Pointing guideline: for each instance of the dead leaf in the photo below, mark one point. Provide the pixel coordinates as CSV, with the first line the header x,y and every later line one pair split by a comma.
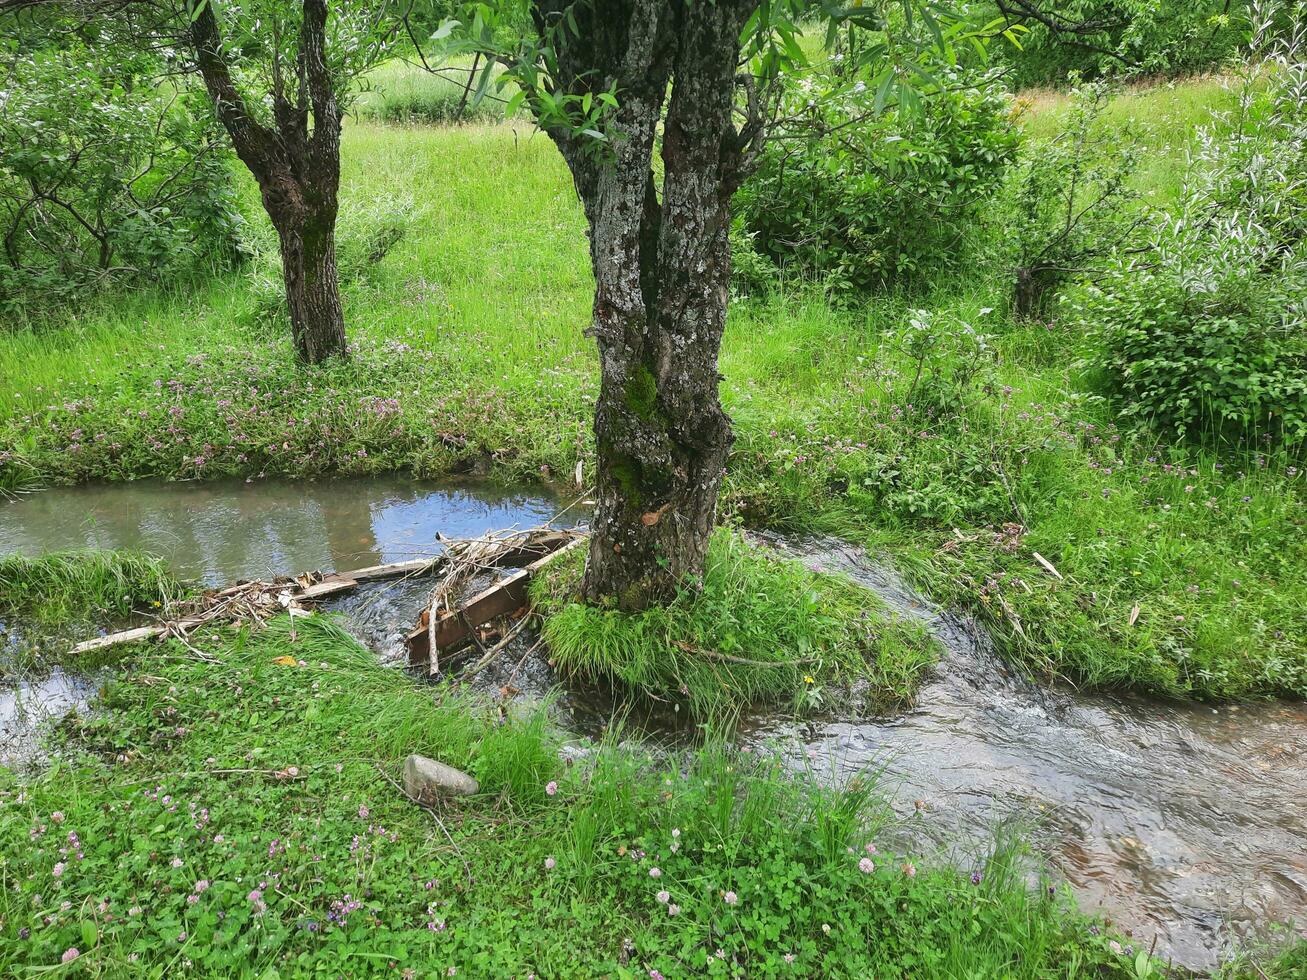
x,y
1048,565
654,516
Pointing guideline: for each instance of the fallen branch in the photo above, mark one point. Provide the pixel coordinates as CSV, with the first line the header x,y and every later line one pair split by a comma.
x,y
490,654
732,659
257,600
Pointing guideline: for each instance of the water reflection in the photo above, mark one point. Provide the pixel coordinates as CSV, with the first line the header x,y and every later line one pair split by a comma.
x,y
218,532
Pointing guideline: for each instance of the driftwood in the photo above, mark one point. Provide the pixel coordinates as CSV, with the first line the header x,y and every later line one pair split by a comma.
x,y
258,600
445,626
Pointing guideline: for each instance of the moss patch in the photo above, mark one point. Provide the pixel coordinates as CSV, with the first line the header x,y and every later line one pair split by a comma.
x,y
642,393
761,630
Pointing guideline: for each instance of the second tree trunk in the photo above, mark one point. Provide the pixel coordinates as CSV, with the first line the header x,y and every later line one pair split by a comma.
x,y
308,256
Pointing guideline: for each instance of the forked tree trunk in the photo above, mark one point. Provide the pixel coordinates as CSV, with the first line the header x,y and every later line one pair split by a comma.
x,y
661,265
297,168
308,259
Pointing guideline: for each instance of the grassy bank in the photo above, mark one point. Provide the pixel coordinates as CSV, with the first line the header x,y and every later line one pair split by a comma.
x,y
84,585
930,426
241,819
757,629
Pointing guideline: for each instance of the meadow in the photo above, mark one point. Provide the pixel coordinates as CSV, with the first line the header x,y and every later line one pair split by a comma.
x,y
1175,569
235,813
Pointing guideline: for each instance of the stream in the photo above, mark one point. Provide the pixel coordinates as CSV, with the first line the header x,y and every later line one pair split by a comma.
x,y
1185,823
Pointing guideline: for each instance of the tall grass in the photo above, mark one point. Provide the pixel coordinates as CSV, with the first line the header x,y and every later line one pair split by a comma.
x,y
760,629
399,92
84,585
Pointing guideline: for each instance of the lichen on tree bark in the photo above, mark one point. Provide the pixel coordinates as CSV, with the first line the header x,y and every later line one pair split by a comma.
x,y
661,261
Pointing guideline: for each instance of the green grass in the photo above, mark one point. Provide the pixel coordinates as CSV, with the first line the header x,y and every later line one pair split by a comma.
x,y
399,92
468,329
761,629
1165,116
1282,957
56,597
213,819
84,585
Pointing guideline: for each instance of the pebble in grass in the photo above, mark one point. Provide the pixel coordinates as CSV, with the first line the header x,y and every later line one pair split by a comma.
x,y
427,780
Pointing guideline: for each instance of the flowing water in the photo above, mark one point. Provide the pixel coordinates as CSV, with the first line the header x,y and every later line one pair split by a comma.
x,y
1183,822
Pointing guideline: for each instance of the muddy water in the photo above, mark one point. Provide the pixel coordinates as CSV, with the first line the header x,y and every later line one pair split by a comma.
x,y
1180,821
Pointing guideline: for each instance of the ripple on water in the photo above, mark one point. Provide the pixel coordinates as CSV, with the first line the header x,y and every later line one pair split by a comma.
x,y
1178,820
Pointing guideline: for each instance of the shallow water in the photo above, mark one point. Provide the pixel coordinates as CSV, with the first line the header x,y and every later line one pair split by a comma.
x,y
224,531
219,532
32,703
1180,821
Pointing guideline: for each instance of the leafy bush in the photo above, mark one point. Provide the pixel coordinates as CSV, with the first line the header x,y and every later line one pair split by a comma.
x,y
865,198
1208,335
1152,36
1068,206
103,172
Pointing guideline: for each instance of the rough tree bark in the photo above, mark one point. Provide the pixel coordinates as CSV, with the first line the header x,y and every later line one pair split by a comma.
x,y
297,170
661,263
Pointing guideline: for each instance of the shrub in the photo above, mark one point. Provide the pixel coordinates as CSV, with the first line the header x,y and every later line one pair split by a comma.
x,y
864,199
1153,36
1068,208
103,173
1208,335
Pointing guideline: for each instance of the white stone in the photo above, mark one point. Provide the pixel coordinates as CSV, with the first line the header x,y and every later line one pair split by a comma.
x,y
428,781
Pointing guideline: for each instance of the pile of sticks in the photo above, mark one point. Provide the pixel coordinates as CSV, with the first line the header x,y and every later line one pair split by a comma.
x,y
255,602
448,623
445,623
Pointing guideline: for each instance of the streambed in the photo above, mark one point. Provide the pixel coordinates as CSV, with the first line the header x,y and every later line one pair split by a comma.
x,y
1183,822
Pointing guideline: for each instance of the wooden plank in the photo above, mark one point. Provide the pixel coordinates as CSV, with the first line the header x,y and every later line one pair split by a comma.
x,y
328,586
125,636
394,569
453,629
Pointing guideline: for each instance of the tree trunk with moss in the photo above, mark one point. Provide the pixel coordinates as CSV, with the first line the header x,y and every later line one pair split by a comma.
x,y
296,160
661,262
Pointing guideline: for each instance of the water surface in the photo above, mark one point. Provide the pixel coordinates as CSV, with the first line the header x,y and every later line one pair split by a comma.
x,y
221,531
1183,822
